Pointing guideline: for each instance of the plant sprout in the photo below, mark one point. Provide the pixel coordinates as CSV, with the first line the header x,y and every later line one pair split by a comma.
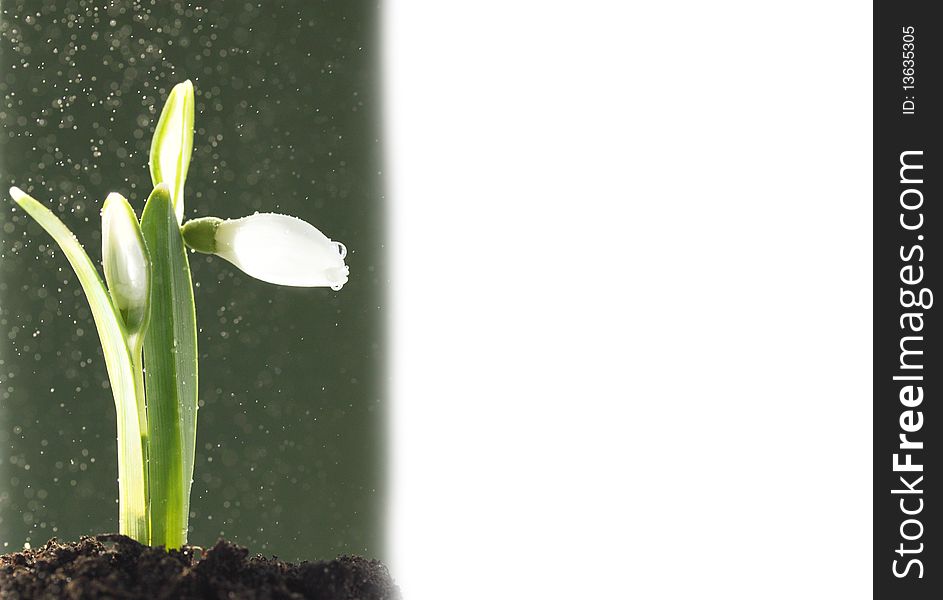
x,y
146,317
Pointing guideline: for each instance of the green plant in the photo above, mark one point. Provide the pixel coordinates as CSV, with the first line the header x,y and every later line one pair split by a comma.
x,y
146,316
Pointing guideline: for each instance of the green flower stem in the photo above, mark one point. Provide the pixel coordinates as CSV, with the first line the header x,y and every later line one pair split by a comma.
x,y
138,367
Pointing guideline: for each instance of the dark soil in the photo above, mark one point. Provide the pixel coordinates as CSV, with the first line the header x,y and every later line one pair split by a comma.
x,y
115,566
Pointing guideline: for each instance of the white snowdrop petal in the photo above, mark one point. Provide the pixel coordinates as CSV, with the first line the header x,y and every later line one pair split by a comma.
x,y
283,250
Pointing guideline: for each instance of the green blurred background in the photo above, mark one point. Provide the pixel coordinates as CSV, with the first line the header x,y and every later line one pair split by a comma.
x,y
290,443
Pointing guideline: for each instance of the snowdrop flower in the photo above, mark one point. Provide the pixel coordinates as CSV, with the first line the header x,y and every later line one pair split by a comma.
x,y
275,248
126,263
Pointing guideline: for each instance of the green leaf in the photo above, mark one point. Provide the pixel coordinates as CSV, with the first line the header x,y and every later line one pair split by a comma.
x,y
132,492
170,360
172,145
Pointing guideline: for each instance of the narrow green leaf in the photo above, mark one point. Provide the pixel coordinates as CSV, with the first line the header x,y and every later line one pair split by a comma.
x,y
170,360
118,362
172,145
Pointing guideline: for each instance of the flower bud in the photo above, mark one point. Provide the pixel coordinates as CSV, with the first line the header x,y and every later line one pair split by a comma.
x,y
275,248
126,263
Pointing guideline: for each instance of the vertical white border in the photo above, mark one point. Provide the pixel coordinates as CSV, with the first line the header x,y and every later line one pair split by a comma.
x,y
631,297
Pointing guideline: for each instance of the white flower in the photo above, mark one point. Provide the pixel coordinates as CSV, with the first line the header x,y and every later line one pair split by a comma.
x,y
126,262
275,248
